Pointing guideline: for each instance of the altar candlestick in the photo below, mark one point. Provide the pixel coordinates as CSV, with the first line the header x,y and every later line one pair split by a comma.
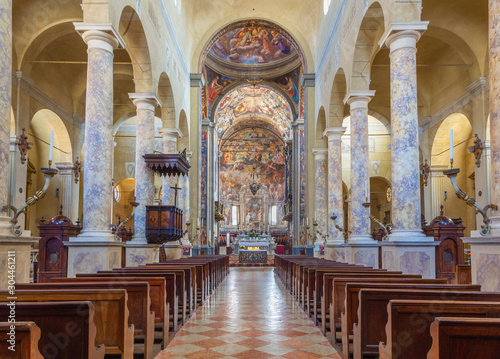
x,y
51,146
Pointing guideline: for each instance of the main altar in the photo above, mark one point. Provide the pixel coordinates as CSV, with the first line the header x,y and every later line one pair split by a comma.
x,y
254,242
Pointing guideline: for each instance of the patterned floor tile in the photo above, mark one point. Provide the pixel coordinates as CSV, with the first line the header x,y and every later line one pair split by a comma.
x,y
250,316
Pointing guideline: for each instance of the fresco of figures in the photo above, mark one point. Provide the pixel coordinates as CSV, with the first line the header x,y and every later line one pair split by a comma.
x,y
248,155
250,100
253,43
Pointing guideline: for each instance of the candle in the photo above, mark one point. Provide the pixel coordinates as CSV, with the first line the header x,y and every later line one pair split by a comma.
x,y
51,145
451,145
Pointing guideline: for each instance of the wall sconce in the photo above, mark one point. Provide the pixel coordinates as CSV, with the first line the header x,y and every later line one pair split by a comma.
x,y
477,150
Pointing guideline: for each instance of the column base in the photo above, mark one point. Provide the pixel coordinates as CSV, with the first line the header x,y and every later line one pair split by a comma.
x,y
90,257
5,229
137,254
408,236
366,254
222,250
485,261
335,252
173,250
94,236
410,257
21,246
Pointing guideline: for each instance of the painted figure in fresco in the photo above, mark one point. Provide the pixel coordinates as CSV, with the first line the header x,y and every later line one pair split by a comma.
x,y
292,89
213,89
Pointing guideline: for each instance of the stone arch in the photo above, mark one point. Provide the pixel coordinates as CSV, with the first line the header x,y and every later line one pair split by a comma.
x,y
132,31
337,108
42,123
166,95
370,31
463,137
237,84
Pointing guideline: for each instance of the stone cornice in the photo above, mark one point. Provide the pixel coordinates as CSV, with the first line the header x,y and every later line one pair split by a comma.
x,y
146,96
396,27
82,27
334,133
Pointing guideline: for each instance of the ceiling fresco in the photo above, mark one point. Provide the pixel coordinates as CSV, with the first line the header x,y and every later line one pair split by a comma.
x,y
252,43
251,102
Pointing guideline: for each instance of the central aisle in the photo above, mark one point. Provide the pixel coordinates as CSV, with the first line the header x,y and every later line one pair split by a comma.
x,y
250,315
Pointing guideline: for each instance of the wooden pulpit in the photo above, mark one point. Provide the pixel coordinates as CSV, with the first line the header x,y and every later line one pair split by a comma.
x,y
163,224
53,254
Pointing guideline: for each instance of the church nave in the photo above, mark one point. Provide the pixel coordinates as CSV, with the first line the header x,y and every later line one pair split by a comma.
x,y
250,315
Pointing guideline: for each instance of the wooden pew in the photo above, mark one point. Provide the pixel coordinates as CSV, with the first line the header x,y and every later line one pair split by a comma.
x,y
180,285
408,325
454,338
67,329
22,338
159,304
110,318
170,287
372,312
138,303
190,281
338,294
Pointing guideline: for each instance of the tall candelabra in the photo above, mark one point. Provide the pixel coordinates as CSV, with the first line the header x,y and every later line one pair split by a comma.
x,y
128,218
15,229
485,228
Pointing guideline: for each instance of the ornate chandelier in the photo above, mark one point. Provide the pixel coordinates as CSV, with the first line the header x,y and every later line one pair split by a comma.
x,y
254,186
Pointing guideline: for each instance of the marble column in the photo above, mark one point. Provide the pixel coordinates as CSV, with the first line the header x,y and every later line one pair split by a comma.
x,y
5,107
95,248
170,136
485,250
19,246
334,244
138,251
97,188
184,202
405,167
360,172
361,247
321,195
173,250
407,248
66,184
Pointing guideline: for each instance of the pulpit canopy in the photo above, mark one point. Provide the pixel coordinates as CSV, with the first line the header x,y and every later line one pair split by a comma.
x,y
172,164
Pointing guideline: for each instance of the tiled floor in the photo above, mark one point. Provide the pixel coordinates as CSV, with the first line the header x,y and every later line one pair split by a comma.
x,y
250,316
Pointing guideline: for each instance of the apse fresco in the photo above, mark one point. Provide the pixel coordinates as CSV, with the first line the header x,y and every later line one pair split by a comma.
x,y
251,101
253,43
252,151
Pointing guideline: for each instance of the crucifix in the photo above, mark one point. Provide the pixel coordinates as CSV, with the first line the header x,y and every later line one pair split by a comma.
x,y
175,188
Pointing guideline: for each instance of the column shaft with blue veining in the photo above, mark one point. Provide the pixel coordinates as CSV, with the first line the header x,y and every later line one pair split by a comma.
x,y
360,175
169,147
144,176
184,200
5,95
494,81
405,173
335,190
321,200
97,186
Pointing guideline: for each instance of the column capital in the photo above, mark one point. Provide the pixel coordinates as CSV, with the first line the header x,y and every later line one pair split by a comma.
x,y
358,99
334,133
171,134
320,152
196,79
100,36
145,101
65,168
308,80
403,34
